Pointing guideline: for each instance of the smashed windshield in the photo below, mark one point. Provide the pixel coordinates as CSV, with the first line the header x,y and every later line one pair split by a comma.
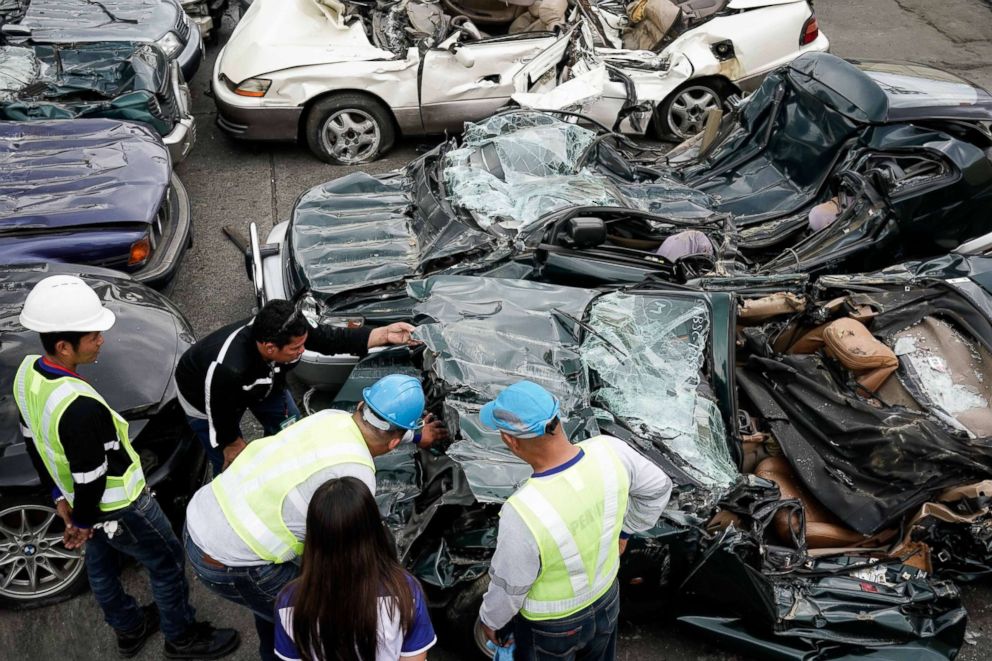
x,y
483,334
514,168
649,354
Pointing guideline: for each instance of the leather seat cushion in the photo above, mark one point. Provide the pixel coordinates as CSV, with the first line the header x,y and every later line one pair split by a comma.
x,y
823,529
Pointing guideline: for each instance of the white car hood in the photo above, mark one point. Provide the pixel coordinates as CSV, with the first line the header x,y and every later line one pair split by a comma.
x,y
279,34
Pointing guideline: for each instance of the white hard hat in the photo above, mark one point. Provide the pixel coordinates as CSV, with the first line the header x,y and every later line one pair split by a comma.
x,y
61,303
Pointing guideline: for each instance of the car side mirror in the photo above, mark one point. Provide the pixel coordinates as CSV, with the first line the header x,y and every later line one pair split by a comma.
x,y
584,232
464,57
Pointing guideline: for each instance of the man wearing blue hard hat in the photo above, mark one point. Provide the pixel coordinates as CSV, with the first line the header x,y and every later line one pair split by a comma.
x,y
554,574
245,529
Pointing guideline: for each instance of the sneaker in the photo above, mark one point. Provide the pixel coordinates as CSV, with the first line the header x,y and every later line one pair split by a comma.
x,y
202,641
130,643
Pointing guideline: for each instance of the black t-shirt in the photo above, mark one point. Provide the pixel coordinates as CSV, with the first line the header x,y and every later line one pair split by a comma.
x,y
87,433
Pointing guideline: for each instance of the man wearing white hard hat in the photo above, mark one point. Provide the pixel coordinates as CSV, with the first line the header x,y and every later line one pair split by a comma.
x,y
80,447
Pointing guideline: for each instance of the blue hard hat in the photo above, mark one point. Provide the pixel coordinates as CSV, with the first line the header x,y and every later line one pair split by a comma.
x,y
398,399
522,410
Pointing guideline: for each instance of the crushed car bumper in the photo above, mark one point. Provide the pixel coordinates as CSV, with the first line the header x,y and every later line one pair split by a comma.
x,y
251,122
181,139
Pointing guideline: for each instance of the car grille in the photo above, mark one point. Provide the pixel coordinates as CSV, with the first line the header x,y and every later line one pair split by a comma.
x,y
182,27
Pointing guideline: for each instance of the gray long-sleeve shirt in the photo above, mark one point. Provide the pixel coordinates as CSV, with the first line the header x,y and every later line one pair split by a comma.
x,y
517,561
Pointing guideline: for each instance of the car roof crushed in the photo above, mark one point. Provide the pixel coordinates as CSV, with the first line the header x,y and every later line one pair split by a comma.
x,y
826,429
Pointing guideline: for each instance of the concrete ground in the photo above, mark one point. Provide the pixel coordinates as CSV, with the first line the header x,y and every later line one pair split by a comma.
x,y
234,183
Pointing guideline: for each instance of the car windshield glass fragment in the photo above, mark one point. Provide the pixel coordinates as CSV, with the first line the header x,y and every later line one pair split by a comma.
x,y
649,354
516,167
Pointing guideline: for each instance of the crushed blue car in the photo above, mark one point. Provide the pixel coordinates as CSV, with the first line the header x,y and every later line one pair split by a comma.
x,y
92,191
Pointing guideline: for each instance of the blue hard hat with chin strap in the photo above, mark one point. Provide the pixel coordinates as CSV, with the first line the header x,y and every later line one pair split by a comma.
x,y
396,399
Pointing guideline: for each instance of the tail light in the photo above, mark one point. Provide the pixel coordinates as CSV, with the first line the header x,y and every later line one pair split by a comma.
x,y
809,32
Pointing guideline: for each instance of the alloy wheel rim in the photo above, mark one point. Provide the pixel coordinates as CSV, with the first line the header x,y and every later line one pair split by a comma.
x,y
351,136
34,562
687,113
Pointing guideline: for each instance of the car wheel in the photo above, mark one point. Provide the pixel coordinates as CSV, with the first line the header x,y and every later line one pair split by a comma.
x,y
462,619
683,113
35,567
349,129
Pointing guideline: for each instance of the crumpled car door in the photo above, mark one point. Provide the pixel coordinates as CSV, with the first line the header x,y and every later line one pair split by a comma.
x,y
452,93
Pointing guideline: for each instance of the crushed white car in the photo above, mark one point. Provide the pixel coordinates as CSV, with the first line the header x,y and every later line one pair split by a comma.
x,y
349,77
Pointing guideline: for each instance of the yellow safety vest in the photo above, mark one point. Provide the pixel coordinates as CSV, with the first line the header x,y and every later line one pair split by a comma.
x,y
42,402
252,489
575,516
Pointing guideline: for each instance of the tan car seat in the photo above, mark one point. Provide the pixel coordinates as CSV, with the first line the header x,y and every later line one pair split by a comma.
x,y
651,21
849,342
823,529
541,16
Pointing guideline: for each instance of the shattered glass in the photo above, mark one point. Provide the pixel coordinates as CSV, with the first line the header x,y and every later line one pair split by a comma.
x,y
649,354
515,168
936,379
483,334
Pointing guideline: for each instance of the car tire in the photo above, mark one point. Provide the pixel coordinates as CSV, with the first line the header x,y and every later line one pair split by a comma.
x,y
31,540
462,620
349,129
683,112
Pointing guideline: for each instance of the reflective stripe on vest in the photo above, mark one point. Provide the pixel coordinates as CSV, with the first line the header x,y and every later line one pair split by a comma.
x,y
42,402
252,490
575,517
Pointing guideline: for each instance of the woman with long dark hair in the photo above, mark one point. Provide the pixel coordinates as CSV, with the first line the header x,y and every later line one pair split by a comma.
x,y
353,600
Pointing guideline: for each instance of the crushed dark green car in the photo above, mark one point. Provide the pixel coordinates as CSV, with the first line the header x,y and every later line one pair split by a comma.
x,y
113,80
831,447
830,167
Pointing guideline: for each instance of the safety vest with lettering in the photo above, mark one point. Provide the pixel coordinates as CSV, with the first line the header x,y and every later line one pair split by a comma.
x,y
42,402
576,517
252,490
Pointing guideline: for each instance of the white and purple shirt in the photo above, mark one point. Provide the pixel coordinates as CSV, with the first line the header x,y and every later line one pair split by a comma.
x,y
394,643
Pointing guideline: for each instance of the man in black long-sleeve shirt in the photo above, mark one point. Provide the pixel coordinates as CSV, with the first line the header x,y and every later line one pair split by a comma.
x,y
243,366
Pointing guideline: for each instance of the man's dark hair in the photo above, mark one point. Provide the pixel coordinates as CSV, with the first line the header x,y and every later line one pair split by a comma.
x,y
49,340
278,322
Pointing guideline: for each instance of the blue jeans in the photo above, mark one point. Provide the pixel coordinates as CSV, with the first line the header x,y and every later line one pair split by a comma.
x,y
589,635
271,412
256,588
144,534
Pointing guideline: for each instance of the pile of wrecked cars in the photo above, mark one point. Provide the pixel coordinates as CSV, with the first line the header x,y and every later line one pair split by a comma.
x,y
94,112
347,78
791,314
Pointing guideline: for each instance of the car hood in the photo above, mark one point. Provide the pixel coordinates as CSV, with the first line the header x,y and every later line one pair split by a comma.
x,y
363,231
62,21
76,74
139,354
278,34
74,173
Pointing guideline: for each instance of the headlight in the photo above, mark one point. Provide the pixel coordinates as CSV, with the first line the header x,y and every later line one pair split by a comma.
x,y
170,43
140,250
253,87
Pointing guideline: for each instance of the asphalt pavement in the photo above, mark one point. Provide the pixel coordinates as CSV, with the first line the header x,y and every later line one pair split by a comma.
x,y
233,183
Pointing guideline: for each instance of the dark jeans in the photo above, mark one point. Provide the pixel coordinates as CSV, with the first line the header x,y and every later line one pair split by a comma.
x,y
256,588
144,534
271,412
589,635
